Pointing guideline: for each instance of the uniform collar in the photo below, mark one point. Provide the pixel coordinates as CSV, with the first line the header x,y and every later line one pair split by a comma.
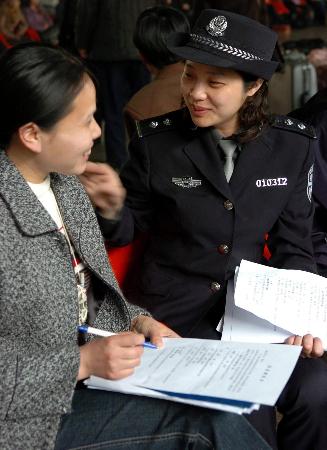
x,y
203,152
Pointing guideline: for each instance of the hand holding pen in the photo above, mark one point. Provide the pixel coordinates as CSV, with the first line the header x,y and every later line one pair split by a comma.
x,y
103,333
117,356
112,357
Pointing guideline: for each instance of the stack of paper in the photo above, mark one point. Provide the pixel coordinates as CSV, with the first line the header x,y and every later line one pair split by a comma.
x,y
271,304
228,376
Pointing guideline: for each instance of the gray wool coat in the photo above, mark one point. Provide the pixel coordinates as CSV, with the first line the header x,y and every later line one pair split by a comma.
x,y
39,355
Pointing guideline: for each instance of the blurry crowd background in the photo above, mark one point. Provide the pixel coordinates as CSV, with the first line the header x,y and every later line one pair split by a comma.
x,y
54,20
101,32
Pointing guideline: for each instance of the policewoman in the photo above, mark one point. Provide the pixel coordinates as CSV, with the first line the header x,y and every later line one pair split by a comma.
x,y
208,184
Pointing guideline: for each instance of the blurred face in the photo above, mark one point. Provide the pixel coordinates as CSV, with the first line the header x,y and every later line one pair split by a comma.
x,y
67,147
214,96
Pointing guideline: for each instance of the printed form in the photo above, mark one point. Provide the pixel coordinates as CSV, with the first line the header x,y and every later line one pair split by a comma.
x,y
221,375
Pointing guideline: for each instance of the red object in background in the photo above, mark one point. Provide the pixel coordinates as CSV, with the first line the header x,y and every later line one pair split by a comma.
x,y
279,7
30,34
4,41
126,263
266,251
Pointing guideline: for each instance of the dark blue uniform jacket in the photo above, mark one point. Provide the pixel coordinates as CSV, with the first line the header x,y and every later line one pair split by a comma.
x,y
200,227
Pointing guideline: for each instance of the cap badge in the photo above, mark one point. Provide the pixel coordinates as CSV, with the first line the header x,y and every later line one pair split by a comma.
x,y
217,26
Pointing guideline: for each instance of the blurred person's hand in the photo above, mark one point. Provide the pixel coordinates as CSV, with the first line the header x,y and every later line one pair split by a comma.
x,y
103,185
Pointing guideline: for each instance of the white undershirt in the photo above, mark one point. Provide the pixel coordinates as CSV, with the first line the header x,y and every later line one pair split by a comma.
x,y
45,195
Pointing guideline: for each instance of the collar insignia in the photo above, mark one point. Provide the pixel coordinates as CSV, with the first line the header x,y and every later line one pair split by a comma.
x,y
217,26
186,182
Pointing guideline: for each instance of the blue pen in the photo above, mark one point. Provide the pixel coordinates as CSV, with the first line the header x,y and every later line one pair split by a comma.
x,y
97,332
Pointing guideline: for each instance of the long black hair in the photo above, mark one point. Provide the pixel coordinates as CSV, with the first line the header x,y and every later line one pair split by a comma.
x,y
38,83
254,113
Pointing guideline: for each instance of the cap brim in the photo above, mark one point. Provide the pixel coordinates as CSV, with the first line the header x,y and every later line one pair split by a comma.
x,y
180,45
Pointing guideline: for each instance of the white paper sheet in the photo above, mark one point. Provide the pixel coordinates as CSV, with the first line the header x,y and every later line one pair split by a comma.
x,y
293,300
254,373
242,326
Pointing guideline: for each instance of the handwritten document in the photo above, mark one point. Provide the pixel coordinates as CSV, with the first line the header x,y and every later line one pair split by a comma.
x,y
221,375
293,300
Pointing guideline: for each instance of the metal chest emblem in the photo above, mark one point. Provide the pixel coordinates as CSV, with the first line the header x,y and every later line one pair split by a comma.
x,y
217,26
186,182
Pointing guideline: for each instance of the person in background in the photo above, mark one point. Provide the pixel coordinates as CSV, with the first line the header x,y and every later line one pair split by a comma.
x,y
13,26
163,93
208,186
66,18
55,276
314,112
256,9
12,22
104,35
185,7
38,19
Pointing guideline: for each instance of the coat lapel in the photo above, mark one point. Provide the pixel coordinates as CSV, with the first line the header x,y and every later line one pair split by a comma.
x,y
29,214
82,226
75,211
205,156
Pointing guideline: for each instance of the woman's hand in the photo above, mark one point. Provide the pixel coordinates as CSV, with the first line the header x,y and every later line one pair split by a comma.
x,y
152,329
113,357
103,186
312,347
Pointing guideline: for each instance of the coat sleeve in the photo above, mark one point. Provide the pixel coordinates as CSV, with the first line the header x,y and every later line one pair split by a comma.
x,y
36,384
290,238
138,212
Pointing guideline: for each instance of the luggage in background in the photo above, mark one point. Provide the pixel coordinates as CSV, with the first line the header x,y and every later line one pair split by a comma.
x,y
293,86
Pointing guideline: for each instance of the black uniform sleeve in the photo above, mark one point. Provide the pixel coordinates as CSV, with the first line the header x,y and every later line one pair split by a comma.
x,y
290,239
139,205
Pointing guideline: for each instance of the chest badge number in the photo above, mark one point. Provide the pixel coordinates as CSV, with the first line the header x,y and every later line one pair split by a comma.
x,y
186,182
270,182
309,186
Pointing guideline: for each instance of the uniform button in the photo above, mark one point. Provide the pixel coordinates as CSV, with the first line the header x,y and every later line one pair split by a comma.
x,y
215,286
101,270
223,249
228,205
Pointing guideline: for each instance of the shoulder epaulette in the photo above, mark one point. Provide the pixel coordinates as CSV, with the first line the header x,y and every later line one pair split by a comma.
x,y
165,122
295,125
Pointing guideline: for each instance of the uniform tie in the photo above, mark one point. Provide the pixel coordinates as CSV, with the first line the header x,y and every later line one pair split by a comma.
x,y
228,147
